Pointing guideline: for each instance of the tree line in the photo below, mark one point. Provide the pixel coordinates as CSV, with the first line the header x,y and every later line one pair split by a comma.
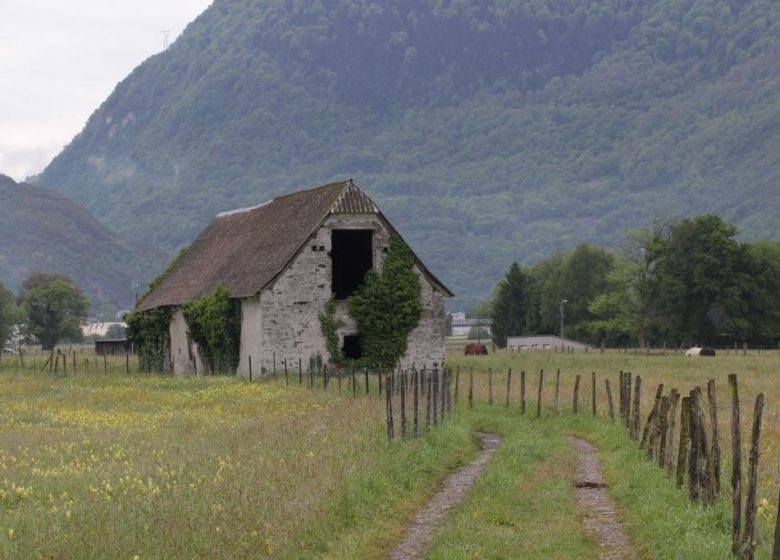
x,y
677,283
49,309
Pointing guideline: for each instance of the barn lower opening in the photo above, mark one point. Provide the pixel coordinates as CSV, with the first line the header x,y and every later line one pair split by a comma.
x,y
351,257
352,349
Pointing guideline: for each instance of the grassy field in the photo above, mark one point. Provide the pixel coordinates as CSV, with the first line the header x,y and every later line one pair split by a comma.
x,y
110,465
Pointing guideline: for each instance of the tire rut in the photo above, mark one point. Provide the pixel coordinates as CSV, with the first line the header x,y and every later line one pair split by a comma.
x,y
419,535
600,520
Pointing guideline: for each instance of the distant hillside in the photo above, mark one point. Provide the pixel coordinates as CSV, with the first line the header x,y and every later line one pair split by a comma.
x,y
42,231
487,130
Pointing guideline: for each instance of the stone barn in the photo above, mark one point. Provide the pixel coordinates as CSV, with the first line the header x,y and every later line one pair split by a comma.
x,y
284,260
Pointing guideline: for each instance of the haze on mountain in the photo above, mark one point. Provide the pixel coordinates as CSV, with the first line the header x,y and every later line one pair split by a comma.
x,y
488,131
42,231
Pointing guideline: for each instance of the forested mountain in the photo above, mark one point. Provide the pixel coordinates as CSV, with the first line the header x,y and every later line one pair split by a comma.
x,y
487,130
42,231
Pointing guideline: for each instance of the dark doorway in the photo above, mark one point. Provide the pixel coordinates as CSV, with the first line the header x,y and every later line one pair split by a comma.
x,y
351,257
352,349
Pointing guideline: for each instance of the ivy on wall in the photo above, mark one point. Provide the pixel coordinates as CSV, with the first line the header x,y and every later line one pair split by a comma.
x,y
329,326
149,330
388,306
214,324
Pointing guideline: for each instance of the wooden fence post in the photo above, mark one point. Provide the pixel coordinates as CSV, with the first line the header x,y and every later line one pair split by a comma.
x,y
629,404
539,395
609,401
736,467
403,407
715,446
675,398
415,404
662,425
250,368
457,382
682,453
354,382
575,401
653,413
776,547
427,383
635,421
389,405
365,370
435,386
508,386
593,393
490,386
471,388
622,395
748,542
522,392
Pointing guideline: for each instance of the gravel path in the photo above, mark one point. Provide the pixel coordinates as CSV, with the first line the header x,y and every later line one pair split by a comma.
x,y
419,534
600,518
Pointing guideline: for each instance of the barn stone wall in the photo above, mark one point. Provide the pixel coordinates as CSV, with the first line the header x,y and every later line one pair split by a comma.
x,y
185,355
286,314
251,341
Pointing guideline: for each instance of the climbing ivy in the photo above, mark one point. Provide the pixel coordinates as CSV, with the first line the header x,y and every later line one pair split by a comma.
x,y
329,326
214,324
149,332
388,306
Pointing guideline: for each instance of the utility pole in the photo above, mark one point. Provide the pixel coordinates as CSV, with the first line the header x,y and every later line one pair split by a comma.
x,y
563,302
166,33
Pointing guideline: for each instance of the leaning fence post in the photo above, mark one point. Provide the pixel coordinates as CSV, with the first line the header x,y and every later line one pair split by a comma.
x,y
635,422
609,401
682,452
736,467
748,542
662,425
575,402
539,395
651,418
675,396
715,448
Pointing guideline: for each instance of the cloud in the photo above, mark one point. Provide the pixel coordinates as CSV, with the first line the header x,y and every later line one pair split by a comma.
x,y
60,60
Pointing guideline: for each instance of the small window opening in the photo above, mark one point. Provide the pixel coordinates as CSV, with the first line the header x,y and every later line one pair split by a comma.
x,y
352,349
352,256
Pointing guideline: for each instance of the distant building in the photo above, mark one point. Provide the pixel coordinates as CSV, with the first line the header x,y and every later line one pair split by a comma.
x,y
99,329
461,326
544,342
117,347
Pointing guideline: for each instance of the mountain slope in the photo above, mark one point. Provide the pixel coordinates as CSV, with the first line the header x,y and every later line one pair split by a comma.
x,y
487,131
42,231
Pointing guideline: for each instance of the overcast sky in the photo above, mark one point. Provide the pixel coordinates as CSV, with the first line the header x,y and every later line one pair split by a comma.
x,y
59,59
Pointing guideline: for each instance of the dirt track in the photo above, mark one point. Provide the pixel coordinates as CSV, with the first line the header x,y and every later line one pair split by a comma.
x,y
598,509
419,534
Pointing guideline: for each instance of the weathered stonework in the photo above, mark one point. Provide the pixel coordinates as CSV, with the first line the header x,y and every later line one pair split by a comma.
x,y
283,323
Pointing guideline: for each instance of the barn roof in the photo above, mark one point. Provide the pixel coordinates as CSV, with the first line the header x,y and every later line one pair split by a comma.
x,y
244,250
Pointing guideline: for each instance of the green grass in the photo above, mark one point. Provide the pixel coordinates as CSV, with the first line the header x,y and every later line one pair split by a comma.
x,y
110,465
